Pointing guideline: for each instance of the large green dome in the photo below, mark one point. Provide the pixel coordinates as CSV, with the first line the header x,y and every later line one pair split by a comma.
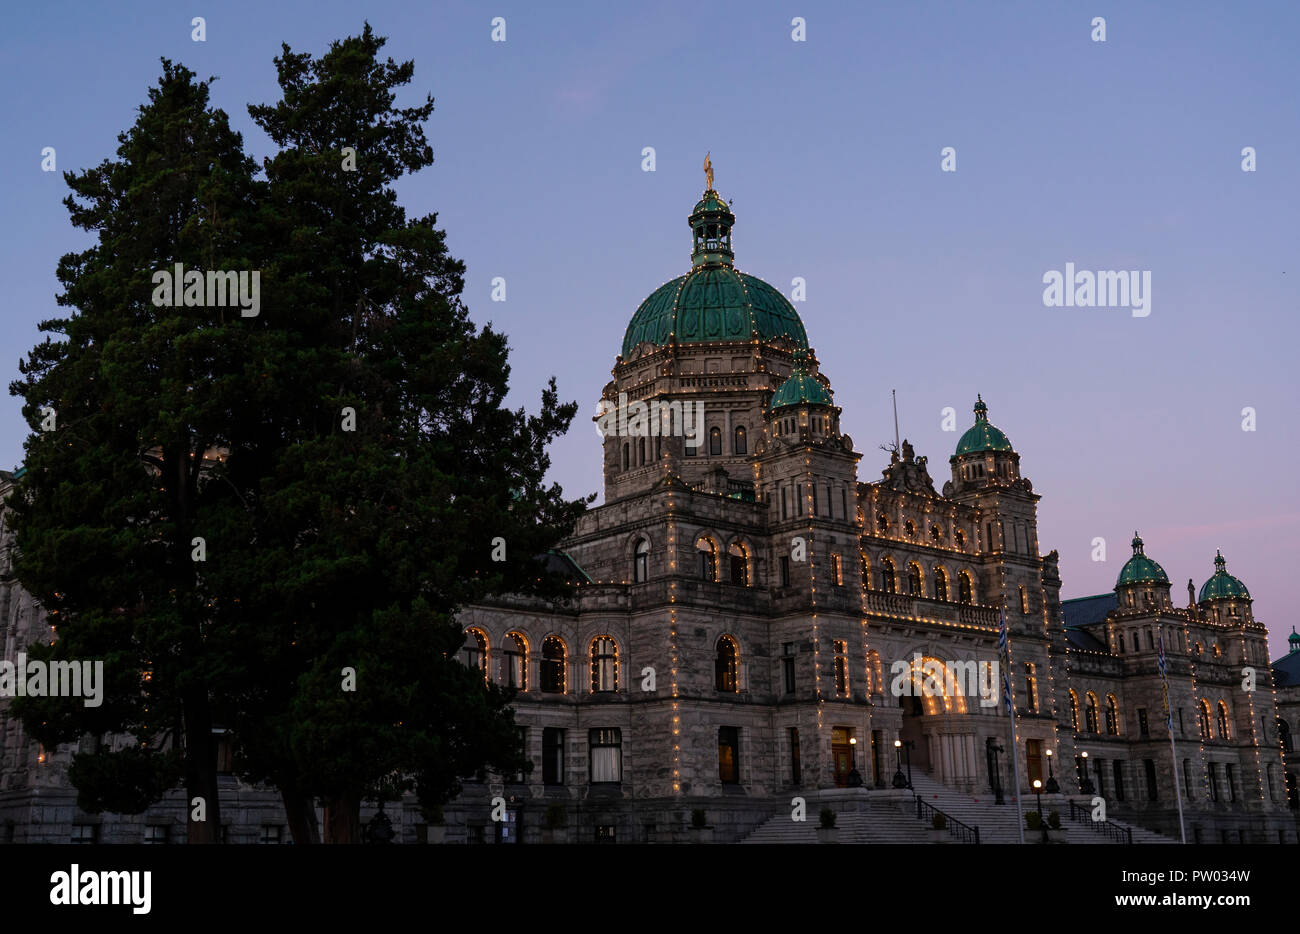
x,y
983,435
1140,569
800,387
713,302
1222,586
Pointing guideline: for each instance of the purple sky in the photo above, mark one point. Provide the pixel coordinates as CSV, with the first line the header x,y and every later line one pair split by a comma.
x,y
1117,155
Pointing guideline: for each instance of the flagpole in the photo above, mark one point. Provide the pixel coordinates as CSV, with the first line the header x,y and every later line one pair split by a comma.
x,y
1163,664
1004,650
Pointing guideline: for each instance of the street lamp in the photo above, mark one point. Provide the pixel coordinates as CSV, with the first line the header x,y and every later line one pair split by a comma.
x,y
899,780
1085,783
1053,786
1038,790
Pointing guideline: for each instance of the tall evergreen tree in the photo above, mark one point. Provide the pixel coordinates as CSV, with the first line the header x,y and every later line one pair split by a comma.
x,y
129,410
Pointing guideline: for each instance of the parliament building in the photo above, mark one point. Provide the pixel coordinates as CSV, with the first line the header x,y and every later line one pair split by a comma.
x,y
754,626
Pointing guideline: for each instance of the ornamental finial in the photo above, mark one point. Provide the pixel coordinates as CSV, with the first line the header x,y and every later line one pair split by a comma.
x,y
708,171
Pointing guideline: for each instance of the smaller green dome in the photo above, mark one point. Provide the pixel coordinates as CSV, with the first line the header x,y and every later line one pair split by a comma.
x,y
712,201
1222,586
801,387
983,435
1140,569
1294,640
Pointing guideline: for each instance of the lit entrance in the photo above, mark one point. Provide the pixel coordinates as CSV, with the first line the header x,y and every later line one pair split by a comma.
x,y
842,754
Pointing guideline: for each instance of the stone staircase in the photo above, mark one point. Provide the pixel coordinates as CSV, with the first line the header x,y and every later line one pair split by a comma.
x,y
889,817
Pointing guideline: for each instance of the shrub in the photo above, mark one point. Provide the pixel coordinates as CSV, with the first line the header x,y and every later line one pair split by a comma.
x,y
828,818
1033,821
939,822
699,819
1054,820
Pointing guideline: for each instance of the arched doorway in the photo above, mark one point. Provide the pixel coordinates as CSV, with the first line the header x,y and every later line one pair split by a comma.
x,y
934,720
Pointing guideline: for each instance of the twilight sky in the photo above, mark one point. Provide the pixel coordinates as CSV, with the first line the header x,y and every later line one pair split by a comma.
x,y
1115,155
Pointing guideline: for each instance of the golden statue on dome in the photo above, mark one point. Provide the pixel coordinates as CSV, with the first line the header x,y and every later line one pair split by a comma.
x,y
708,171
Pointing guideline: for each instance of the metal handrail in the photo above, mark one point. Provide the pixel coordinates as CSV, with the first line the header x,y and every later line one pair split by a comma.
x,y
1117,832
964,832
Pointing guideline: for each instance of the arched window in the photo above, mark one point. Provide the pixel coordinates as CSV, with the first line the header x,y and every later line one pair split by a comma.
x,y
1024,601
1090,713
1112,715
1224,731
965,592
1031,687
553,665
626,456
739,444
866,572
1203,718
875,673
516,661
476,651
915,584
959,538
641,562
715,440
708,553
1284,735
1198,649
936,534
1074,710
739,560
726,666
641,451
604,665
940,584
910,528
882,523
888,575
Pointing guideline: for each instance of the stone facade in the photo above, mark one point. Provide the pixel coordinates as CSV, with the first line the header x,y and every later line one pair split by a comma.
x,y
751,623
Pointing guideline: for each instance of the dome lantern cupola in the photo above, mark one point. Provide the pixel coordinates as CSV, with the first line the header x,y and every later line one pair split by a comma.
x,y
711,224
1222,585
1293,640
1142,583
984,456
803,404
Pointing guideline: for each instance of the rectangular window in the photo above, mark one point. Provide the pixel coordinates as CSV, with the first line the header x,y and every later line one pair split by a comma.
x,y
606,765
796,770
1143,726
785,570
1150,766
1187,778
837,573
520,777
729,755
225,747
552,755
812,489
1214,781
1230,780
844,502
691,450
1180,721
1100,769
988,536
787,666
85,833
606,833
157,834
785,503
270,833
1031,688
1117,767
798,499
830,503
841,669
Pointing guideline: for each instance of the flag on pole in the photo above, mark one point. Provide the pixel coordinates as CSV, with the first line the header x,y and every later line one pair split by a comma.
x,y
1004,660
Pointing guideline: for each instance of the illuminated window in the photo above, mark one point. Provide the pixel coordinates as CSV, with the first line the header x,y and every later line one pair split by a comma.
x,y
841,669
553,665
882,523
1090,712
910,528
715,440
915,583
837,573
1203,719
936,534
516,661
1224,732
959,539
1112,715
1024,601
739,444
888,575
739,561
1074,710
476,651
729,755
940,584
708,559
866,572
1031,688
965,592
604,665
726,666
605,747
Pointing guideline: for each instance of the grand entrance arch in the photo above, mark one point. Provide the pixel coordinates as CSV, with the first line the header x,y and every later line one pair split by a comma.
x,y
937,723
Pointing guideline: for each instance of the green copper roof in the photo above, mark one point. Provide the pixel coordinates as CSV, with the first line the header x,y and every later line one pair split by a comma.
x,y
1140,569
1222,586
983,435
800,387
713,302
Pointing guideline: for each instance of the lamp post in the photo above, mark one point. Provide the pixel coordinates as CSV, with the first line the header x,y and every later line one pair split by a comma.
x,y
1053,787
899,780
855,777
996,751
1085,783
1038,790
